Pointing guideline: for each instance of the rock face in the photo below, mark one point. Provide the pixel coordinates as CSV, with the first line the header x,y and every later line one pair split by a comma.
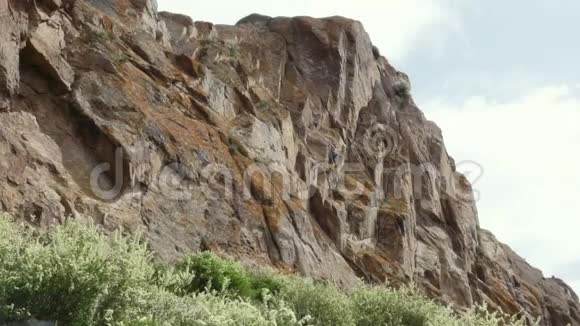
x,y
283,141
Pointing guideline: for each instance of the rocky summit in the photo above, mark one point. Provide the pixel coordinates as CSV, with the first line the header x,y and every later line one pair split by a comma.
x,y
285,142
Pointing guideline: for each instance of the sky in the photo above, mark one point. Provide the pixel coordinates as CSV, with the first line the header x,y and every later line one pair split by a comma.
x,y
502,80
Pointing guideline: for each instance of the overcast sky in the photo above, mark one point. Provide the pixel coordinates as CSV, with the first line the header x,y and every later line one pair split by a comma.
x,y
502,79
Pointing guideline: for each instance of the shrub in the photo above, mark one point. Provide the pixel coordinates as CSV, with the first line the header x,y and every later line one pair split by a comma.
x,y
406,307
75,275
264,105
72,274
267,281
480,316
233,51
323,303
381,306
402,89
213,273
207,309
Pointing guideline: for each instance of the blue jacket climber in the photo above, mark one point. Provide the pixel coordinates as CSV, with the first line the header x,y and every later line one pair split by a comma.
x,y
333,155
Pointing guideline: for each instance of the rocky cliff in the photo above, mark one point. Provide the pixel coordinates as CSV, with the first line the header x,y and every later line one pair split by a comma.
x,y
288,142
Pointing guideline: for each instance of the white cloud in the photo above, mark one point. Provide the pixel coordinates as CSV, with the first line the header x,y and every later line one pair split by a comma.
x,y
395,26
529,148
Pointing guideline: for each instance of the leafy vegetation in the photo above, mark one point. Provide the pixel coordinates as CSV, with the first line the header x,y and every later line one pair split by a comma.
x,y
233,51
264,105
75,275
402,89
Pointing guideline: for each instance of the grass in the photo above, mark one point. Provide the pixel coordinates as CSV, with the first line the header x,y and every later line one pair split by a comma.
x,y
76,275
233,52
264,105
230,50
100,36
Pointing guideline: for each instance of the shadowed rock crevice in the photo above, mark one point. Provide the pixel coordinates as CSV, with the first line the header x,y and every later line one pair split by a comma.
x,y
35,62
83,145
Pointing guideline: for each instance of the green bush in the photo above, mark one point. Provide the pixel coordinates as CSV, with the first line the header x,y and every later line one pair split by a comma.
x,y
72,274
323,304
203,309
267,281
213,273
380,306
76,275
402,89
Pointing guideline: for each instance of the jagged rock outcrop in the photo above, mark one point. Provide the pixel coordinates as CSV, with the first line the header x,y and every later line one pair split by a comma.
x,y
284,141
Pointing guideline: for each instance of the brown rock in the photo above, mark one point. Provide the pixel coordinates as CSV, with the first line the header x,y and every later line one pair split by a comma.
x,y
12,25
44,51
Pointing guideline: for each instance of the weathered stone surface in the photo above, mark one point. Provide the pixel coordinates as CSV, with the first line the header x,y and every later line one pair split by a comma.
x,y
44,50
540,296
12,24
310,156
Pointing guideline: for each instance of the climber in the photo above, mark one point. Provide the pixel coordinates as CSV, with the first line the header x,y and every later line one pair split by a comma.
x,y
333,155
